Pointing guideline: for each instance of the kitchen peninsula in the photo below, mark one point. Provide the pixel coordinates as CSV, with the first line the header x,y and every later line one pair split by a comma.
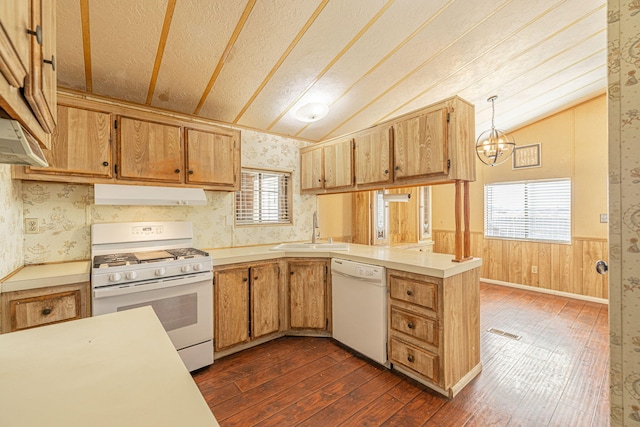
x,y
119,369
433,307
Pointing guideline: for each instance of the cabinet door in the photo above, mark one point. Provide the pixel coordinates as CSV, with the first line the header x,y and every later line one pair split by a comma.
x,y
404,218
211,158
40,85
265,299
81,144
44,306
231,307
338,171
420,145
373,156
149,151
14,41
308,294
311,170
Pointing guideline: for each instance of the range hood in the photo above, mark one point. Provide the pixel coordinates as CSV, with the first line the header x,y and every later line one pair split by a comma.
x,y
142,195
18,147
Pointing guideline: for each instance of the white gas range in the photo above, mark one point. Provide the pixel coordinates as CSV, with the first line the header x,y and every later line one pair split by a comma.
x,y
137,264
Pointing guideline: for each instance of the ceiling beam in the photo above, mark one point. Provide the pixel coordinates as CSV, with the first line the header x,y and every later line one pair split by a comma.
x,y
171,5
232,41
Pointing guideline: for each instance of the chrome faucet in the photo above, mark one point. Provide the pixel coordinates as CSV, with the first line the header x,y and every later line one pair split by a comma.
x,y
314,236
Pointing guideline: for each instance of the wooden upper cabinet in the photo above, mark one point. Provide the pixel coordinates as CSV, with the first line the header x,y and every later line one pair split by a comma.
x,y
81,144
265,299
211,158
311,176
373,156
40,85
149,151
420,145
15,19
308,294
338,164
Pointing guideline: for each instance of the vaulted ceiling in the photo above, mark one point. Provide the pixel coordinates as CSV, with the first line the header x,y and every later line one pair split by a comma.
x,y
253,63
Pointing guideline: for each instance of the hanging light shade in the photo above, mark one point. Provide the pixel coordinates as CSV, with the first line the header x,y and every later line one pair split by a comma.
x,y
494,146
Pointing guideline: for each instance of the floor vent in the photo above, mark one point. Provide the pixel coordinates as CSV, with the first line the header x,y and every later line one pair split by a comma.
x,y
504,334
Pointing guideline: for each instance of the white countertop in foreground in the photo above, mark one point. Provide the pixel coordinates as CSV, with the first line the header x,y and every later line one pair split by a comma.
x,y
431,264
119,369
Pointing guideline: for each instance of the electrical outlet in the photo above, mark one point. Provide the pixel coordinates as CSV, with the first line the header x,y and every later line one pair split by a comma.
x,y
534,269
31,225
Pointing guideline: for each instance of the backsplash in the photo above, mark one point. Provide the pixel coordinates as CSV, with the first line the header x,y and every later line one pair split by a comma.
x,y
10,222
66,211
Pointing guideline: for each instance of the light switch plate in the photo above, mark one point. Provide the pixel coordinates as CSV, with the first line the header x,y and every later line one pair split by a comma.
x,y
604,218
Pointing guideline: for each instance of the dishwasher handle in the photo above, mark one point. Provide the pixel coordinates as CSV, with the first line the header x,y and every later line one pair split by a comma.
x,y
351,276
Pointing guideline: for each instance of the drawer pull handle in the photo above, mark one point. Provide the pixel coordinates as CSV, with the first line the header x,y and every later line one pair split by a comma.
x,y
177,171
410,325
46,312
244,279
105,163
410,292
255,278
410,358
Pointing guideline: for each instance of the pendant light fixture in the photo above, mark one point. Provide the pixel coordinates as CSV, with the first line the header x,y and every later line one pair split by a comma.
x,y
494,146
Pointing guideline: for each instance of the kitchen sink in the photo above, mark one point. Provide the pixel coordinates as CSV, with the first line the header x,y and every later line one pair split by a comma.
x,y
311,247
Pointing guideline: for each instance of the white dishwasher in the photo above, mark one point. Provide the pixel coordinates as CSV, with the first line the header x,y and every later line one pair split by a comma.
x,y
359,306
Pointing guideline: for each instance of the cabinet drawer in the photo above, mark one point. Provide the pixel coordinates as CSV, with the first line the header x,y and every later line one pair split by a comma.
x,y
423,328
416,292
414,358
46,309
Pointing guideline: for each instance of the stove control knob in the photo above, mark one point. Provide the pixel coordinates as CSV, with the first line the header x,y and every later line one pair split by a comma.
x,y
197,267
131,275
160,271
186,268
114,277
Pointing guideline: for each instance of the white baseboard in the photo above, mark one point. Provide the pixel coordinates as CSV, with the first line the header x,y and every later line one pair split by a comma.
x,y
546,291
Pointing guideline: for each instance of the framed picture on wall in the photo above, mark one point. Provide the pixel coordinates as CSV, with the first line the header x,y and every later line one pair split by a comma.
x,y
527,156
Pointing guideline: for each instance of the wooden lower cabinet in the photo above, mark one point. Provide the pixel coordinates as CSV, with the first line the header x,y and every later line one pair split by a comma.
x,y
308,294
246,303
31,308
434,328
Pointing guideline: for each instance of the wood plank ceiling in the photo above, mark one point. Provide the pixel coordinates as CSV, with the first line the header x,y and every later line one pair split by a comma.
x,y
253,63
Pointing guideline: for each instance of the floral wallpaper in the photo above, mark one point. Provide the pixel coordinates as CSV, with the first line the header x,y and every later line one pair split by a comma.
x,y
624,210
65,212
10,222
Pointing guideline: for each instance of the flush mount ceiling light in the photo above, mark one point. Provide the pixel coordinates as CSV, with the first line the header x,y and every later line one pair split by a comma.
x,y
311,112
494,146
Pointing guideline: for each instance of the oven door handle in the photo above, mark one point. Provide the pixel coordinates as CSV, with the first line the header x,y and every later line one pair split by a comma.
x,y
151,285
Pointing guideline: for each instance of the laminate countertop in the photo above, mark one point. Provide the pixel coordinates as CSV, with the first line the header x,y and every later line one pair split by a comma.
x,y
43,275
118,369
430,264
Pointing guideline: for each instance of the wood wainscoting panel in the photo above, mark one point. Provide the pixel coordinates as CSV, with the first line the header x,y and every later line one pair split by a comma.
x,y
560,266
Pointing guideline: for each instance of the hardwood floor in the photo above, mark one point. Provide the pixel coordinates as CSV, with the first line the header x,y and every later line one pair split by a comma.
x,y
556,374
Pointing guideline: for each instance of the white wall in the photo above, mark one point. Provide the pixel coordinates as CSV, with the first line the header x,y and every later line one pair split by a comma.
x,y
11,224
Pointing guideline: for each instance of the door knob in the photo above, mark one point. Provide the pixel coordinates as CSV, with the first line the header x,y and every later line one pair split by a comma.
x,y
601,267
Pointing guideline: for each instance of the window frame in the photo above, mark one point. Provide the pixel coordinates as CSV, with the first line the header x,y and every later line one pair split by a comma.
x,y
288,198
527,227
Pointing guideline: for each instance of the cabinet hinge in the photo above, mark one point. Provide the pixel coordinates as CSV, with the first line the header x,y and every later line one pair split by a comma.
x,y
213,281
214,343
448,117
353,143
448,164
115,124
115,168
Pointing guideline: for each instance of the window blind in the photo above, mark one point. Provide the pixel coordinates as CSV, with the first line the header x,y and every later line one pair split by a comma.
x,y
529,210
264,198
